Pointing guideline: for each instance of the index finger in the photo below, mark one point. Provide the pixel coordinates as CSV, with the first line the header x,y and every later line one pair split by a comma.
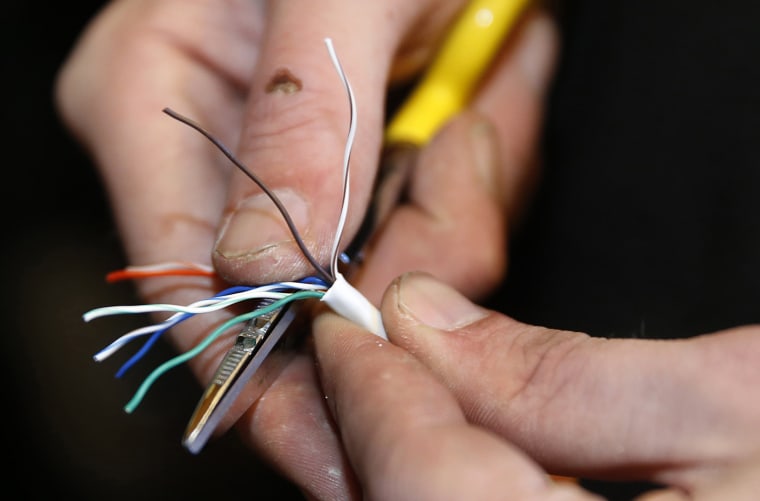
x,y
295,126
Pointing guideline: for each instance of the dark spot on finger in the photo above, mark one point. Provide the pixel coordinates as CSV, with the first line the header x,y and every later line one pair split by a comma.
x,y
284,81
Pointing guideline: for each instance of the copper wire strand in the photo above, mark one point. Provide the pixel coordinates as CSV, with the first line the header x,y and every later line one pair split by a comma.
x,y
323,273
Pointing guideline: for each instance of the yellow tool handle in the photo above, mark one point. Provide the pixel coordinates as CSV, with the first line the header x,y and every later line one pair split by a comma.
x,y
446,87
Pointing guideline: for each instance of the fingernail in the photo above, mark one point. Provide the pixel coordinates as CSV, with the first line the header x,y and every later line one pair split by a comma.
x,y
436,304
483,143
257,225
534,54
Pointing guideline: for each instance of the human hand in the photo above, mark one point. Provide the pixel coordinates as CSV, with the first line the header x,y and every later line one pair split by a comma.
x,y
467,402
170,189
215,62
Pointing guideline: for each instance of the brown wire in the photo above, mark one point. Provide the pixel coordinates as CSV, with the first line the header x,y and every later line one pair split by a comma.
x,y
323,273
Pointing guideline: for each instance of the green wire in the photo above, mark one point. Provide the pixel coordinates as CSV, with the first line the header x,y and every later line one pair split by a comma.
x,y
169,364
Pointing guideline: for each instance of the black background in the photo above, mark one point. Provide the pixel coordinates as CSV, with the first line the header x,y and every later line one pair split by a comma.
x,y
646,225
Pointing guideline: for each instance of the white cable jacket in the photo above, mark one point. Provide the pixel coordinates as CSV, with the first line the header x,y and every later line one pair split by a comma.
x,y
351,304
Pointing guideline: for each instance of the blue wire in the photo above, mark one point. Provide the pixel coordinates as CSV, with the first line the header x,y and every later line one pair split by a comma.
x,y
148,345
313,280
156,335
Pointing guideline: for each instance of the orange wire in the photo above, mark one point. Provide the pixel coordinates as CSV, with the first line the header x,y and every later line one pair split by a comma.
x,y
118,275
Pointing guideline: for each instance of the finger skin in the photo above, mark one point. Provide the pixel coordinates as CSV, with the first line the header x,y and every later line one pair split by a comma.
x,y
292,427
166,182
450,190
513,98
740,482
662,410
737,482
405,434
665,495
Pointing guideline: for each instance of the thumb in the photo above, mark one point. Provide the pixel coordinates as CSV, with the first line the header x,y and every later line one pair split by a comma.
x,y
579,405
